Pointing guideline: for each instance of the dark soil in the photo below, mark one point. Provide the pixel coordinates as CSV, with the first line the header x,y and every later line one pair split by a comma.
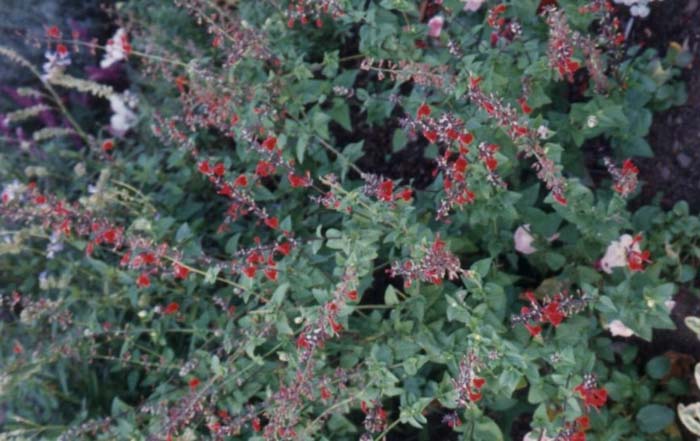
x,y
675,134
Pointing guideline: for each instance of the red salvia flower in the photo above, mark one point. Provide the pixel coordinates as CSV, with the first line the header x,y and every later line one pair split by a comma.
x,y
204,167
107,145
53,32
284,248
257,426
423,111
143,281
171,308
270,143
385,192
241,181
272,222
430,135
219,169
194,383
264,168
181,272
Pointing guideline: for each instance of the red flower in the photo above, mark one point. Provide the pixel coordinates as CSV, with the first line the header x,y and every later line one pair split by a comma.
x,y
352,295
592,396
107,145
430,135
583,422
533,330
53,32
299,181
250,271
257,426
241,181
628,167
302,342
325,393
264,168
272,222
62,50
406,194
110,236
524,106
284,248
460,165
40,200
466,138
636,260
560,198
385,191
143,281
225,190
181,272
204,167
17,348
270,143
219,169
478,382
234,119
491,163
553,314
488,107
172,308
193,383
271,274
423,111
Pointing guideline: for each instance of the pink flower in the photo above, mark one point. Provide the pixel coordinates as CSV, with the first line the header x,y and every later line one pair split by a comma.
x,y
617,328
435,26
523,240
472,5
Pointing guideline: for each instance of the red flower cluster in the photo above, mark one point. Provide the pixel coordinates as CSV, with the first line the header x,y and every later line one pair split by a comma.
x,y
625,179
552,310
637,259
592,395
453,164
436,264
522,135
305,10
468,386
375,418
383,189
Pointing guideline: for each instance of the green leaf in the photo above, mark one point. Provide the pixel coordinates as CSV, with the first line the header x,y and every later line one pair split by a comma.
x,y
278,296
658,367
654,418
390,297
183,233
486,429
212,273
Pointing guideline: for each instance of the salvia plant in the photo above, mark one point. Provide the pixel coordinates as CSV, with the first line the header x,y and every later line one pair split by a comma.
x,y
339,220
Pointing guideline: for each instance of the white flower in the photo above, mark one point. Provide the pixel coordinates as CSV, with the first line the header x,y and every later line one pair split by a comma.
x,y
11,190
534,436
670,304
616,254
523,240
123,118
55,64
435,26
472,5
640,10
592,121
114,49
619,329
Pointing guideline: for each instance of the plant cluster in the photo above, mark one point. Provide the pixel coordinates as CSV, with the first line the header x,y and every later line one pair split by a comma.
x,y
214,231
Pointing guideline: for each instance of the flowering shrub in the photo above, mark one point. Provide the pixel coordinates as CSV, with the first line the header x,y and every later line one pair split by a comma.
x,y
338,220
